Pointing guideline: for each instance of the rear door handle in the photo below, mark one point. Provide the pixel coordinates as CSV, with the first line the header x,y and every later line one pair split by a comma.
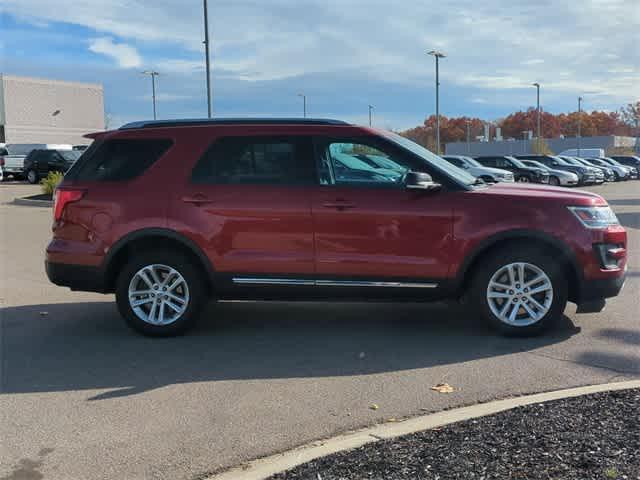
x,y
197,199
339,205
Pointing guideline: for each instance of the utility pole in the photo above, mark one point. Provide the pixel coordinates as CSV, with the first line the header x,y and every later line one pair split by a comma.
x,y
579,123
304,104
437,55
207,61
153,74
370,110
537,85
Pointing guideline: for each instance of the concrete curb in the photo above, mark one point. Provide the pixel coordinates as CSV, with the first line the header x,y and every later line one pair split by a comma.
x,y
25,202
267,466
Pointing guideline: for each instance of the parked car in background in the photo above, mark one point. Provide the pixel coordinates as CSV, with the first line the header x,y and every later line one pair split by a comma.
x,y
600,175
586,175
521,172
475,168
12,165
606,171
556,177
252,209
39,163
620,172
583,152
628,161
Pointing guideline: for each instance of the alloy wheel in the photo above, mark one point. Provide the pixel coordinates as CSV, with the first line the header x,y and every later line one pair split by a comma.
x,y
158,294
520,294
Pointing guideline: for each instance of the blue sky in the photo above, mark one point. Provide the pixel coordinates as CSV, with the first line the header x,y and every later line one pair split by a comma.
x,y
343,54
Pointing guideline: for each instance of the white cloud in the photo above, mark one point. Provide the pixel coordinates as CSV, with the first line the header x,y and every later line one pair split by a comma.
x,y
533,61
125,55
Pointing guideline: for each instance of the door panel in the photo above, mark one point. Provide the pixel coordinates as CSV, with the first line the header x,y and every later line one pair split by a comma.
x,y
249,205
386,233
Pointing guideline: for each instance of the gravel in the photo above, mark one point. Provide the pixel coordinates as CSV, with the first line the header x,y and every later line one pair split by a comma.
x,y
589,437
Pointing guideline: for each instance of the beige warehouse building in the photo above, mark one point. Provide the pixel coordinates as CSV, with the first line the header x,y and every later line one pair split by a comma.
x,y
34,110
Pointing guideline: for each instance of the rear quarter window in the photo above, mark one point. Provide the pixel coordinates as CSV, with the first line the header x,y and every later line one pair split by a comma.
x,y
118,159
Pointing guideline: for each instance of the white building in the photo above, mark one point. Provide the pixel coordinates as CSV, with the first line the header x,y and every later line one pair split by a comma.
x,y
34,110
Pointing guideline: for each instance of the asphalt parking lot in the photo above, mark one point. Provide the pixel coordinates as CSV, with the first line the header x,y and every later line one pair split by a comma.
x,y
84,397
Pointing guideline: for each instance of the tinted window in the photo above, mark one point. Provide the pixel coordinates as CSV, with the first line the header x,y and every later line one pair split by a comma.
x,y
257,160
3,151
118,159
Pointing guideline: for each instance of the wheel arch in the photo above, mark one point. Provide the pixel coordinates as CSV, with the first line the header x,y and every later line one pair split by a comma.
x,y
560,250
154,238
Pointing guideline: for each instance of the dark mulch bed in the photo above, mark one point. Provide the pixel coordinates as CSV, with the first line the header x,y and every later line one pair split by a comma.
x,y
590,437
40,196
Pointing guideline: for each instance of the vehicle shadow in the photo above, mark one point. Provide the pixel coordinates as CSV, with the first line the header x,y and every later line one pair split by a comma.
x,y
78,346
629,219
624,201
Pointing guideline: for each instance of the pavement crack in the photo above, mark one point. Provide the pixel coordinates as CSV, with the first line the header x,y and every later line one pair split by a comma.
x,y
587,364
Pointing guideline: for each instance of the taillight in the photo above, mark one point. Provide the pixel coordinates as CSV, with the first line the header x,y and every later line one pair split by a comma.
x,y
1,161
62,198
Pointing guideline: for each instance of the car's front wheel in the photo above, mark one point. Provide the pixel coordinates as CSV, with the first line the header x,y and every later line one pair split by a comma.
x,y
523,179
160,293
554,181
520,292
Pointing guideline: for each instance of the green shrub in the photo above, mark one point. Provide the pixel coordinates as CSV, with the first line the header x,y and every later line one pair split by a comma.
x,y
51,181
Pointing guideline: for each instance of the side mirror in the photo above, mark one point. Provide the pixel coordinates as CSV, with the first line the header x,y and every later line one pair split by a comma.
x,y
420,181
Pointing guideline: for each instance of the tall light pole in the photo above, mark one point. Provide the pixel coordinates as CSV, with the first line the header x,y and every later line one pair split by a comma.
x,y
304,104
153,74
537,85
579,124
207,61
468,122
371,107
437,55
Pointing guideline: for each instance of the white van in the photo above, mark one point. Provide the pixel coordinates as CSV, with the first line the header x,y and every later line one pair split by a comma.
x,y
584,152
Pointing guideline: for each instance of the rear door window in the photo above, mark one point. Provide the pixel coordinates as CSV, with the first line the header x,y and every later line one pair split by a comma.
x,y
257,160
119,159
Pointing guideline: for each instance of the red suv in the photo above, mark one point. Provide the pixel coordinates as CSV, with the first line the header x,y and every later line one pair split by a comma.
x,y
168,214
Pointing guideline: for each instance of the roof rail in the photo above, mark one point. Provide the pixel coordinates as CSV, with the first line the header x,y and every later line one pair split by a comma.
x,y
230,121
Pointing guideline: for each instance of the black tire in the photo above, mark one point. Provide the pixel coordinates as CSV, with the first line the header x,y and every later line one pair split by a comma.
x,y
554,181
616,177
190,273
523,179
527,254
32,177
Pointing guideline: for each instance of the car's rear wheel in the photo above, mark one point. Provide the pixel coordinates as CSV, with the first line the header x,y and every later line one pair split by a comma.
x,y
520,292
32,177
523,179
160,293
555,181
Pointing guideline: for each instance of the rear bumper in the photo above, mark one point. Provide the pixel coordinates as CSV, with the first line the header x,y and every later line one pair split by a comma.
x,y
76,277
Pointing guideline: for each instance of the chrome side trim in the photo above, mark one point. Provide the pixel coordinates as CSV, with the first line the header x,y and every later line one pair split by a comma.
x,y
328,283
357,283
271,281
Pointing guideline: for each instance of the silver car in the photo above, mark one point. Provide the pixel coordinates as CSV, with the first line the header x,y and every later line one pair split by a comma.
x,y
556,177
475,168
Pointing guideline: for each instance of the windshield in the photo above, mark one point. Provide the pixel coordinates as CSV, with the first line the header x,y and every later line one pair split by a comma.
x,y
70,155
611,161
560,161
533,163
516,162
431,158
472,161
572,161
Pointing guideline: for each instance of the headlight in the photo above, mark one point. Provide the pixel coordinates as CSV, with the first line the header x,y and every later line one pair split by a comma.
x,y
595,217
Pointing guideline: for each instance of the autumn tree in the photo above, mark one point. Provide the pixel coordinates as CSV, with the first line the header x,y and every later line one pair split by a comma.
x,y
631,116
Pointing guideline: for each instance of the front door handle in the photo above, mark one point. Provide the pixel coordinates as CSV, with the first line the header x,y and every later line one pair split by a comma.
x,y
197,199
339,205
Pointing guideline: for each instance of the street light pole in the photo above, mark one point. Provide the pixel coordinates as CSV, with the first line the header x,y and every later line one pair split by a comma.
x,y
370,110
468,136
537,85
207,61
579,123
304,104
153,74
437,55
